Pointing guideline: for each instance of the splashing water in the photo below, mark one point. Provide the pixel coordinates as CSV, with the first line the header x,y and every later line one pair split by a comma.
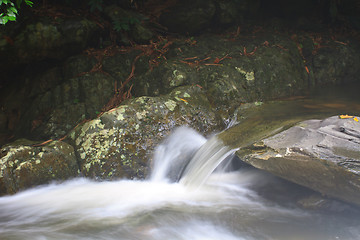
x,y
227,206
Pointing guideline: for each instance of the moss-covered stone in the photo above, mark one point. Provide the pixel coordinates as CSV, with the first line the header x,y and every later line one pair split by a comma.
x,y
24,165
119,143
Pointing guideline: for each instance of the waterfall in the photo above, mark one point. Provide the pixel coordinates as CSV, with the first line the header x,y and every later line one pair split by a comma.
x,y
204,162
187,157
172,156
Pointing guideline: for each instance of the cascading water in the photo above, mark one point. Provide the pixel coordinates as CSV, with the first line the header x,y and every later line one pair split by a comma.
x,y
225,206
204,162
187,156
171,157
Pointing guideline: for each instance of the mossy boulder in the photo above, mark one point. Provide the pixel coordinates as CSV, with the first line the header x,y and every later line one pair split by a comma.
x,y
24,165
119,143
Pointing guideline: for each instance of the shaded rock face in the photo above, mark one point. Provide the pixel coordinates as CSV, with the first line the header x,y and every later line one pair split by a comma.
x,y
59,109
50,104
323,155
193,17
329,69
134,23
118,143
189,16
44,40
24,165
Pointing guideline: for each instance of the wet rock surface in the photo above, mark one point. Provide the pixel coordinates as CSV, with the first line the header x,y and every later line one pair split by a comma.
x,y
323,155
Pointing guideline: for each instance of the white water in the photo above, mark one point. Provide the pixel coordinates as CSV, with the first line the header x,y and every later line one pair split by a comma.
x,y
204,162
172,156
224,206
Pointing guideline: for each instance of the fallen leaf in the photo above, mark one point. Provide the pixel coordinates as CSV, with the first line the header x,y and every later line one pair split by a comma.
x,y
307,70
345,116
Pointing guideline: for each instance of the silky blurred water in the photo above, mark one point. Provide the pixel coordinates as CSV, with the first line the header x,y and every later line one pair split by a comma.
x,y
243,204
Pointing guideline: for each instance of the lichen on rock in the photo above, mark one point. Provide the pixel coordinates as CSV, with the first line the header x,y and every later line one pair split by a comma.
x,y
119,143
24,165
248,75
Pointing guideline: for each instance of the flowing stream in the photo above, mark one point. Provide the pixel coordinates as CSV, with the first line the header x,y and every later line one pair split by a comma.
x,y
227,205
194,192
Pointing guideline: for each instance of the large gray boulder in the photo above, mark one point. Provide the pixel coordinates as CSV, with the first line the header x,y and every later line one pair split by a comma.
x,y
323,155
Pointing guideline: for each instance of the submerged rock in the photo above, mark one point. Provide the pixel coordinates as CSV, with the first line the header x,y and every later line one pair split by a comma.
x,y
323,155
24,165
